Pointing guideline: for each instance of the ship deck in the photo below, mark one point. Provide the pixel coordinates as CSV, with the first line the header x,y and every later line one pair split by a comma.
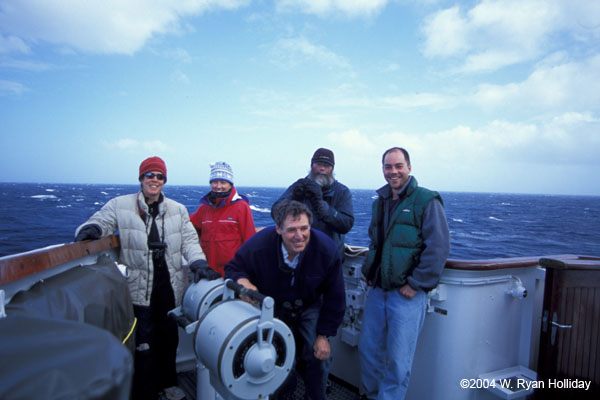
x,y
337,390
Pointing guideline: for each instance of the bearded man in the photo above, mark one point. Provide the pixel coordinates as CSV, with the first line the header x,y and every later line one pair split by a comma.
x,y
329,201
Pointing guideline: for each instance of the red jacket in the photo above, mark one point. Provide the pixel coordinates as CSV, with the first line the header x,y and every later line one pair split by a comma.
x,y
223,228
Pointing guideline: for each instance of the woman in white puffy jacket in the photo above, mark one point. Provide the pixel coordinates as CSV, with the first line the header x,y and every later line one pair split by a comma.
x,y
156,235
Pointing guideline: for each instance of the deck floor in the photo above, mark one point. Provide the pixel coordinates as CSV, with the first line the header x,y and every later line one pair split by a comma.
x,y
336,391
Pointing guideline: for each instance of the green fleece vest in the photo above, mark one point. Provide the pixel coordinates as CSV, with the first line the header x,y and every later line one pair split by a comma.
x,y
403,240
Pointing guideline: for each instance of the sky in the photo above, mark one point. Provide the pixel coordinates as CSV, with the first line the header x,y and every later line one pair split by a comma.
x,y
487,96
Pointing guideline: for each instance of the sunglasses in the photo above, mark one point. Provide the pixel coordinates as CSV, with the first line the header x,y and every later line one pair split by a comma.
x,y
151,175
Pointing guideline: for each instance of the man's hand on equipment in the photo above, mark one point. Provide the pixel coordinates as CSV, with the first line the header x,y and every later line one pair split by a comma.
x,y
248,285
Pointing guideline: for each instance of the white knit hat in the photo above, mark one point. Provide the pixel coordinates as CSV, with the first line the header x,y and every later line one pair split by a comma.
x,y
221,170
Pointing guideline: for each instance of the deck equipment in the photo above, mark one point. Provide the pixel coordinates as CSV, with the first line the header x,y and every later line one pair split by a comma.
x,y
242,351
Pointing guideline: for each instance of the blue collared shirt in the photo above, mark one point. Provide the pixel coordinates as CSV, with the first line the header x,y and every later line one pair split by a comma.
x,y
292,264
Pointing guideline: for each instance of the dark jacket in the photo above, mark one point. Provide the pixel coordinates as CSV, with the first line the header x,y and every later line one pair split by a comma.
x,y
317,278
339,216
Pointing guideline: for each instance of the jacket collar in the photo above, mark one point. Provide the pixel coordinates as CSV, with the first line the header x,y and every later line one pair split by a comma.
x,y
232,198
385,192
143,207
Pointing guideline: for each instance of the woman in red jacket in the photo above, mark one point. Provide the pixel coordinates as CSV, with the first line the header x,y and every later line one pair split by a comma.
x,y
224,219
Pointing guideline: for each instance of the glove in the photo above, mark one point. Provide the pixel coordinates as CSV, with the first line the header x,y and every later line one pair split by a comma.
x,y
89,232
320,207
202,270
298,190
312,190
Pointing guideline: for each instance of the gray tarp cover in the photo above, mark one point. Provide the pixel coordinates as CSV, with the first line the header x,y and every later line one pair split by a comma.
x,y
96,294
56,359
50,344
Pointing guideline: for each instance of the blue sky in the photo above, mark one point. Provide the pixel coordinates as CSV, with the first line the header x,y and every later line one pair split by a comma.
x,y
487,96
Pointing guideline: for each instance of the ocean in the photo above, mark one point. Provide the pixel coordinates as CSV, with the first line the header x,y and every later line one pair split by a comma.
x,y
482,225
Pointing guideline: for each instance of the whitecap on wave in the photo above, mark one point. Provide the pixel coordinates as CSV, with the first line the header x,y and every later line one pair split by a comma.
x,y
50,190
263,210
457,220
43,196
495,219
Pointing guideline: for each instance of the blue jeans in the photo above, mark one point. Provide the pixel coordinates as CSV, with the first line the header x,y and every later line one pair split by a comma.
x,y
388,340
304,329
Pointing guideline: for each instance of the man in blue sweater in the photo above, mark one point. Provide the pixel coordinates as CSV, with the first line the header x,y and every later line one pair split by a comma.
x,y
300,268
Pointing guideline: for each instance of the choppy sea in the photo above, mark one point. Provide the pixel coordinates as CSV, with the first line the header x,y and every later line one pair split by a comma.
x,y
482,225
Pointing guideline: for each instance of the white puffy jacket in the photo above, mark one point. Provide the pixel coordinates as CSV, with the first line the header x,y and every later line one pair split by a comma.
x,y
129,216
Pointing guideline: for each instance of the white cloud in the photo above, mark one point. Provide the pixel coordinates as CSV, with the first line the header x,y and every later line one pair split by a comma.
x,y
566,139
293,51
99,26
351,8
14,88
352,140
433,101
446,33
497,33
12,44
572,138
498,140
562,86
574,118
490,60
25,65
569,139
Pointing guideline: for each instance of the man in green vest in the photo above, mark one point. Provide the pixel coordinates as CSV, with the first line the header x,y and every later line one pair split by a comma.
x,y
410,242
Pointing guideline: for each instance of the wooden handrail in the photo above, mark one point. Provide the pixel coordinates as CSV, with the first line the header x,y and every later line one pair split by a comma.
x,y
513,262
580,263
21,265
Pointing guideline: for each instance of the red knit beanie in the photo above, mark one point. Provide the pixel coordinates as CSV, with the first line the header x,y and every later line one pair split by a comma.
x,y
153,164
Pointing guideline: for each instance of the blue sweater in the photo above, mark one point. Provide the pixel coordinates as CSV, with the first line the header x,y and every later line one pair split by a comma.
x,y
317,278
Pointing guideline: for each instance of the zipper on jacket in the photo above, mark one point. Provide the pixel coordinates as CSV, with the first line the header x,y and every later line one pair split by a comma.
x,y
148,260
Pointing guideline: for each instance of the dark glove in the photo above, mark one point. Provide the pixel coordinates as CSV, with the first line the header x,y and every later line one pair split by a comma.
x,y
320,207
312,190
202,270
298,190
89,232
